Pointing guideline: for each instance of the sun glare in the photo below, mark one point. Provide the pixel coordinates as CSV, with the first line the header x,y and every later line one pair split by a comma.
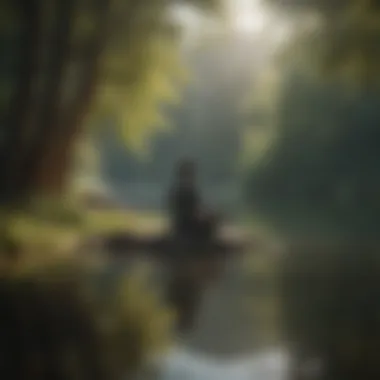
x,y
243,17
247,16
249,22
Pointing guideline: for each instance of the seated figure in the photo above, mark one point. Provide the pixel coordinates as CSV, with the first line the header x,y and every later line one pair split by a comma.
x,y
188,216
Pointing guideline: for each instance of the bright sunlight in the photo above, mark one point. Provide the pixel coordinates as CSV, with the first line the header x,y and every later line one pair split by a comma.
x,y
247,16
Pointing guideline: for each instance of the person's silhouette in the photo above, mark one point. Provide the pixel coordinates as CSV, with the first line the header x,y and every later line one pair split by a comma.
x,y
189,218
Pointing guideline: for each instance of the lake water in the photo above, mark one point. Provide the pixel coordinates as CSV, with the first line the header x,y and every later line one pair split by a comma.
x,y
182,364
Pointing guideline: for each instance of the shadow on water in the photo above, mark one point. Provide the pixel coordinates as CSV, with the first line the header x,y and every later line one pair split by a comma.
x,y
208,353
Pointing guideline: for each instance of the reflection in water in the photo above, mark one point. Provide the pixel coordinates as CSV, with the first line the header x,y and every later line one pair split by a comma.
x,y
182,364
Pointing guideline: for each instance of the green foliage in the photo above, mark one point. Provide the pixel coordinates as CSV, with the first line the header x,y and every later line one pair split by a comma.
x,y
210,112
320,172
343,40
260,108
112,60
141,69
318,185
322,6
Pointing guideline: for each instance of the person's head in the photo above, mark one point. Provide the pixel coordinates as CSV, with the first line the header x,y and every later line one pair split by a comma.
x,y
186,171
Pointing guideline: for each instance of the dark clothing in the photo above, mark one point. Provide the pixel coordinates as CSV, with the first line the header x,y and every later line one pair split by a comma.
x,y
185,208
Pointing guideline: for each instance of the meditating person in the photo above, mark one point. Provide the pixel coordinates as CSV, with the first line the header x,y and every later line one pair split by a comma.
x,y
190,219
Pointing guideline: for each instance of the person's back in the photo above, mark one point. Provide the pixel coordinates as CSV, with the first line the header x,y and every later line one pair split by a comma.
x,y
184,202
189,218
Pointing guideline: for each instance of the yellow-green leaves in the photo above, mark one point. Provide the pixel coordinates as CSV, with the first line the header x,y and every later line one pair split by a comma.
x,y
141,70
140,66
345,41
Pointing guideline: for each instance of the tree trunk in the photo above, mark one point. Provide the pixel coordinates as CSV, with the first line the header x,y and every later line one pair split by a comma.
x,y
51,177
50,173
22,102
50,116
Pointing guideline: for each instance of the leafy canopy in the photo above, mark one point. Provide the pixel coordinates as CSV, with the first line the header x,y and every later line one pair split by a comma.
x,y
343,39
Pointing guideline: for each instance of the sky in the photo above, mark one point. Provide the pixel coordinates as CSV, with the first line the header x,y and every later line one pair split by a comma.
x,y
247,16
242,17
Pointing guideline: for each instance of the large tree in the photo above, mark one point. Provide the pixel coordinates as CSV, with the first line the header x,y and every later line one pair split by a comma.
x,y
79,61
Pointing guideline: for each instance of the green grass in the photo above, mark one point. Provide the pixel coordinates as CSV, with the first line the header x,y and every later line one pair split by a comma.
x,y
110,221
39,232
